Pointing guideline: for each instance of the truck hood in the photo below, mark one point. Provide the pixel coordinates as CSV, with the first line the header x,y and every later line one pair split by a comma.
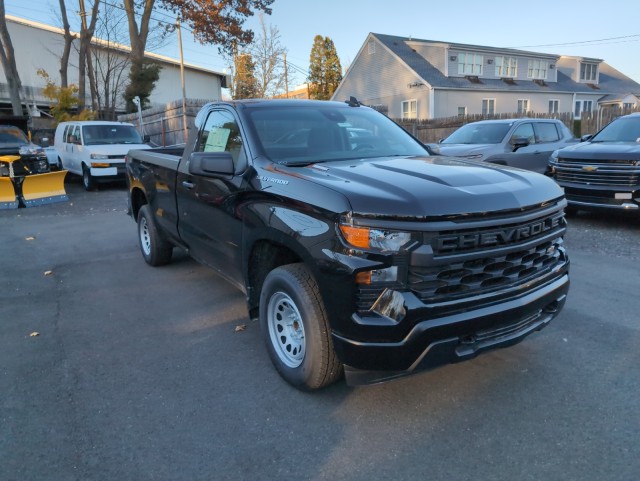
x,y
464,150
428,186
602,151
114,149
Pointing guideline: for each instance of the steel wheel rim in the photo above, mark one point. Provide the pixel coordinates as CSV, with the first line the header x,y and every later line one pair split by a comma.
x,y
145,237
286,329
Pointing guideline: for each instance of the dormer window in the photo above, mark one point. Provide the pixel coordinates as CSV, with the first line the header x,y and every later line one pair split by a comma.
x,y
588,72
506,67
537,69
470,64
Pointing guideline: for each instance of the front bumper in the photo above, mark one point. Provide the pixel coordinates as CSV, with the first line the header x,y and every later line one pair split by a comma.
x,y
452,338
594,197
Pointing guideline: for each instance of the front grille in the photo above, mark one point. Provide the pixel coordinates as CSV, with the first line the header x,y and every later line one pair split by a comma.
x,y
462,279
477,260
116,157
614,173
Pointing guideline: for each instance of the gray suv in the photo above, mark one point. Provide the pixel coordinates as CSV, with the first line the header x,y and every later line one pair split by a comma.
x,y
524,143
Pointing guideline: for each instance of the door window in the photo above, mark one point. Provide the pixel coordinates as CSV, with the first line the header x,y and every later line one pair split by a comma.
x,y
546,132
524,131
221,134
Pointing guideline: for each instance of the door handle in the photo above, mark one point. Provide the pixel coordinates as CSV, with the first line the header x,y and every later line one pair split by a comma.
x,y
188,185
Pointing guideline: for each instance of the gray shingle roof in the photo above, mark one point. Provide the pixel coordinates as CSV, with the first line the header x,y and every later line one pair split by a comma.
x,y
611,80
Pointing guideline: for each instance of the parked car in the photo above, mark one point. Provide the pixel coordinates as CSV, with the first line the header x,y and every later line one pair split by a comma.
x,y
524,143
603,171
96,149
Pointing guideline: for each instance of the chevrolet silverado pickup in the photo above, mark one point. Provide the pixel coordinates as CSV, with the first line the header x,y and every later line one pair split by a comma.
x,y
358,252
603,172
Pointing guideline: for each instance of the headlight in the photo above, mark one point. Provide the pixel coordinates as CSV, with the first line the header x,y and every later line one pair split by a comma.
x,y
99,156
372,238
31,150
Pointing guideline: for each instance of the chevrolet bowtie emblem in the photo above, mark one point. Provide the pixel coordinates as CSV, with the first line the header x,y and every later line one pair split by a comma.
x,y
589,168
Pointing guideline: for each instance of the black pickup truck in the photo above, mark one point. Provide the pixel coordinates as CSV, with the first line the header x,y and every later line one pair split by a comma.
x,y
357,251
603,171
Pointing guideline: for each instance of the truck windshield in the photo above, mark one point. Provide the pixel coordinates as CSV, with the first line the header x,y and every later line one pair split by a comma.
x,y
110,134
623,129
12,136
303,135
477,133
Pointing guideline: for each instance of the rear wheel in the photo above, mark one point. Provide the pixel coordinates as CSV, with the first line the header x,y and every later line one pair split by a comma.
x,y
296,330
155,250
88,182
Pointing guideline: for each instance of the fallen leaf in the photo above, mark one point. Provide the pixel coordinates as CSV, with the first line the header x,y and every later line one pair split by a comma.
x,y
29,238
48,273
34,334
241,327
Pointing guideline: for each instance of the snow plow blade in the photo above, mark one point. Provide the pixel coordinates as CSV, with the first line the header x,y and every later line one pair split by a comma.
x,y
39,189
8,199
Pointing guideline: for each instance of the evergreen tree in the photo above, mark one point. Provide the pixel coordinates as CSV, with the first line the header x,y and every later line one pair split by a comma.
x,y
325,71
245,81
142,79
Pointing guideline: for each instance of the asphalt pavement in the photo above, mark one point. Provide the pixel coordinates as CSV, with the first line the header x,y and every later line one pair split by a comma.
x,y
114,370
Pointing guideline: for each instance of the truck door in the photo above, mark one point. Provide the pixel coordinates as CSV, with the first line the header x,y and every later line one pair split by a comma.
x,y
528,156
209,221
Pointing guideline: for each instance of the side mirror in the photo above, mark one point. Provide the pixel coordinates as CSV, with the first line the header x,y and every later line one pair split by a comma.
x,y
211,164
586,138
518,142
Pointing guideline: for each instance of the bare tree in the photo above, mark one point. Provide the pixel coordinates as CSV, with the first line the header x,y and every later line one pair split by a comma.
x,y
68,41
8,60
110,64
269,54
86,35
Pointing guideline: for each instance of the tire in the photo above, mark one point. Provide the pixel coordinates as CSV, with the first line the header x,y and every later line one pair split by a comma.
x,y
296,330
88,182
155,250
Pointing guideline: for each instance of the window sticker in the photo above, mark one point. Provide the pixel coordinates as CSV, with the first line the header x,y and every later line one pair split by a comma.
x,y
217,140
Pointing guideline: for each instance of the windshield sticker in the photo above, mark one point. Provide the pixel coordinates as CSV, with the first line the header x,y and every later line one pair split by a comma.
x,y
217,140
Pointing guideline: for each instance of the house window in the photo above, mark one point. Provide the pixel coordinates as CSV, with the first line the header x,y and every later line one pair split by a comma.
x,y
554,106
506,67
409,109
627,106
523,106
537,69
462,111
488,106
588,72
469,64
582,106
371,46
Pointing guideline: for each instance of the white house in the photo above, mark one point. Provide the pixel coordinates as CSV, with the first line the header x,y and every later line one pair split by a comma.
x,y
39,46
412,78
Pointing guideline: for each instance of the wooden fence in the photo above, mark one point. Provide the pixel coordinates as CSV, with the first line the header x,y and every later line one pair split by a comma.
x,y
432,130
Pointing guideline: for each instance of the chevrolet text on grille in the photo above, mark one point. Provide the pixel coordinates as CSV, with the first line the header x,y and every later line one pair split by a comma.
x,y
450,243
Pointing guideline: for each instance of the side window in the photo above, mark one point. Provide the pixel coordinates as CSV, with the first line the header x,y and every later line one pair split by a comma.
x,y
546,132
524,131
221,134
76,133
65,133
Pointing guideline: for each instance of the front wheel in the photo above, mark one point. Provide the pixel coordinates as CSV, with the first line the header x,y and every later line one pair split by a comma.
x,y
296,330
88,182
155,250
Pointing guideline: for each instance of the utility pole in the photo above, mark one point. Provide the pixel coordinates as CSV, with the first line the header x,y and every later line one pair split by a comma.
x,y
184,93
286,79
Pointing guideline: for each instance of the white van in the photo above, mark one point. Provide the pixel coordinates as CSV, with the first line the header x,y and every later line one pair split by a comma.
x,y
95,149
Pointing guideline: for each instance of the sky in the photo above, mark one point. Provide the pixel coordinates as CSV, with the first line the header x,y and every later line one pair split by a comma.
x,y
606,30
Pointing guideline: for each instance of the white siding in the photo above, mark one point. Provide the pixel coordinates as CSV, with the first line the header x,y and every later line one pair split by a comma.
x,y
381,79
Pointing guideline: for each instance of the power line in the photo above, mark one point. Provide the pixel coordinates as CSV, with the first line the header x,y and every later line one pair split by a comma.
x,y
582,42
